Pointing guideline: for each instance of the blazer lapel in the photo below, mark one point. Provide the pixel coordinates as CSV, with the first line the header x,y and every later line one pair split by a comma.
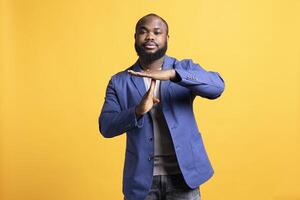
x,y
138,81
164,85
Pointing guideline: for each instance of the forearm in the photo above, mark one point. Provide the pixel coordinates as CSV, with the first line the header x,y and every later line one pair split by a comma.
x,y
112,124
203,83
114,120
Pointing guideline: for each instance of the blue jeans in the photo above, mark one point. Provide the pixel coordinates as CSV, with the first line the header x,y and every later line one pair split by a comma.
x,y
171,187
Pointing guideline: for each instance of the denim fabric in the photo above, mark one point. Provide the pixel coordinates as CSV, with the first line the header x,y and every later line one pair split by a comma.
x,y
171,187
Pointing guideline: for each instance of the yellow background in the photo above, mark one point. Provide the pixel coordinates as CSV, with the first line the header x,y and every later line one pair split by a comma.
x,y
57,56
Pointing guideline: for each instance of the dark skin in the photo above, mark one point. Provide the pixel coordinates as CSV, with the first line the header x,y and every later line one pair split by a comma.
x,y
151,31
151,35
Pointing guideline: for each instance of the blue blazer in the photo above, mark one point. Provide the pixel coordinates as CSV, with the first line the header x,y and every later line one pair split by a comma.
x,y
124,92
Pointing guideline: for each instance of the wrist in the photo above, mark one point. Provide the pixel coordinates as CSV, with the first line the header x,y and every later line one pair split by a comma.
x,y
174,76
138,112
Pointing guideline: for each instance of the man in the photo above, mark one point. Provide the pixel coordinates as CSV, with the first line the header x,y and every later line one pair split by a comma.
x,y
153,102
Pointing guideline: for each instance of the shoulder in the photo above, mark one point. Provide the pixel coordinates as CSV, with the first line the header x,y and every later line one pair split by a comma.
x,y
121,77
185,64
176,63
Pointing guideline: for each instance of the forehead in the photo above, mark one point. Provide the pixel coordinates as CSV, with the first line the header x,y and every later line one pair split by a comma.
x,y
151,22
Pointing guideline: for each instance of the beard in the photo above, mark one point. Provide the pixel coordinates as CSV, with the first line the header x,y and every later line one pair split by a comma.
x,y
150,57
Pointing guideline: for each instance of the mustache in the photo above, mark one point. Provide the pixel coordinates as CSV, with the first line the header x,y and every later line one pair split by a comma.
x,y
150,42
149,57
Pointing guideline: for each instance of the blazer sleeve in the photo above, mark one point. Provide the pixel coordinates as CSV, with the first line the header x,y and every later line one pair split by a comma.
x,y
203,83
114,121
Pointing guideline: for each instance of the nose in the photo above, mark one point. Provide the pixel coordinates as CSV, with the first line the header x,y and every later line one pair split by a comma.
x,y
149,36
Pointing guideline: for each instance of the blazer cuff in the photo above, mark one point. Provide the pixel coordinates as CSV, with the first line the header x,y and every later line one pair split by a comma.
x,y
185,76
138,122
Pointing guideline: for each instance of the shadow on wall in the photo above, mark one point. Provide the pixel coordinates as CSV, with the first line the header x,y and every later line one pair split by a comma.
x,y
287,198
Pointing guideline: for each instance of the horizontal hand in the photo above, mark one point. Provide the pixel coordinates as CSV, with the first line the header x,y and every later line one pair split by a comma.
x,y
163,75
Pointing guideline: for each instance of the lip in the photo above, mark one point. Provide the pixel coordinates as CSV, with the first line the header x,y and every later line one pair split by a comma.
x,y
150,45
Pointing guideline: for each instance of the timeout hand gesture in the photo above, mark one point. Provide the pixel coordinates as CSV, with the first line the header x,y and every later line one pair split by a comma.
x,y
162,75
148,99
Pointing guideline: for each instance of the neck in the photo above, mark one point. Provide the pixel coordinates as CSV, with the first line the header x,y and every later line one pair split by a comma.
x,y
153,65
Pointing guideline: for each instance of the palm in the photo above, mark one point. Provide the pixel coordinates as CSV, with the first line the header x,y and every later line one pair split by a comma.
x,y
155,74
147,101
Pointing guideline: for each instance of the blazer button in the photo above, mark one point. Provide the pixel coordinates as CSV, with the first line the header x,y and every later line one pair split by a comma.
x,y
151,139
167,108
174,126
150,158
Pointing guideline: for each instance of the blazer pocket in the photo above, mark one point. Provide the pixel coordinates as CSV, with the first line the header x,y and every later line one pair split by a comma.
x,y
202,162
129,164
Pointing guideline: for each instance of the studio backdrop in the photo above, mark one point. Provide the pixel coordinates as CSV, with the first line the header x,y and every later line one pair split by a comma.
x,y
56,58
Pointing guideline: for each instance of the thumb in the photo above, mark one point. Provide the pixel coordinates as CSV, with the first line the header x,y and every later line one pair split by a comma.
x,y
155,100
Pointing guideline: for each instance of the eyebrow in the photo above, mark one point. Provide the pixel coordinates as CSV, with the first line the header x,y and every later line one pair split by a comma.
x,y
143,27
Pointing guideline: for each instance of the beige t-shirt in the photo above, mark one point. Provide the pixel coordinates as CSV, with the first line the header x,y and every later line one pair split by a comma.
x,y
165,162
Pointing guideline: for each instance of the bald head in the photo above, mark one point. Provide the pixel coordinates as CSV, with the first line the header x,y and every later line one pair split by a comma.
x,y
148,17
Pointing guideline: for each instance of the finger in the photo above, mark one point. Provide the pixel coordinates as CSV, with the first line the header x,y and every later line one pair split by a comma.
x,y
140,74
155,100
152,87
131,72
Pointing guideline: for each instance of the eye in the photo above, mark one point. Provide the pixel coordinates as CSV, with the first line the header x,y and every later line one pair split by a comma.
x,y
157,32
142,31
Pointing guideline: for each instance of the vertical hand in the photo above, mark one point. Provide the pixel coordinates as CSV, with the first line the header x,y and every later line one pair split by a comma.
x,y
148,101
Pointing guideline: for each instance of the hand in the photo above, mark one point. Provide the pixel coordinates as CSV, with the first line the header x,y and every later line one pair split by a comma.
x,y
163,75
147,101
